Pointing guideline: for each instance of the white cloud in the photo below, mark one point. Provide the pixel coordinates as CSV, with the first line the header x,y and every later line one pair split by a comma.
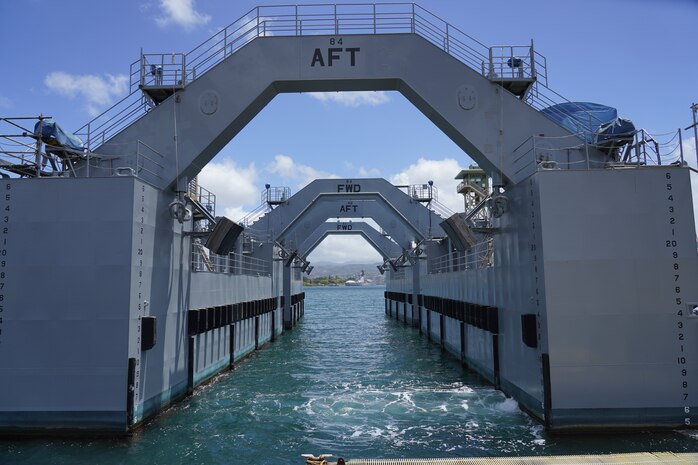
x,y
345,249
235,187
441,172
352,99
369,172
181,13
97,91
292,172
234,213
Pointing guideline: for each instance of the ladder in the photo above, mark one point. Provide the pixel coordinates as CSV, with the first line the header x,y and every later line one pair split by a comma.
x,y
204,255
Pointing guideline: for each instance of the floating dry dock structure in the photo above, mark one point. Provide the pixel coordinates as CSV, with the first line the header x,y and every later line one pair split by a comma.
x,y
569,282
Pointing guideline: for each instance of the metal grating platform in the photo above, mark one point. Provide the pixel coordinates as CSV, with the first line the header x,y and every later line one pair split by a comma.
x,y
644,458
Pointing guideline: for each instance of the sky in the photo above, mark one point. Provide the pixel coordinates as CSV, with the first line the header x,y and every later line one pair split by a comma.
x,y
70,59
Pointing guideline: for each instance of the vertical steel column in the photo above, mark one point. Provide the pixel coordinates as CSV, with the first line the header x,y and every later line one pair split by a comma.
x,y
547,394
190,366
231,348
131,393
288,316
442,342
419,318
416,286
495,359
694,108
428,324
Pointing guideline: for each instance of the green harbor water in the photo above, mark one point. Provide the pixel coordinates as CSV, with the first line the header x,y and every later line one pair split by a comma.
x,y
346,381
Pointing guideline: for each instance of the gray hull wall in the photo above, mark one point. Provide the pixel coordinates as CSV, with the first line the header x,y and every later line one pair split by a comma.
x,y
65,345
605,261
84,260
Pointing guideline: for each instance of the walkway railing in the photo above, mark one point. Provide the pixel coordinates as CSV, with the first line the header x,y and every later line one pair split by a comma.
x,y
478,256
554,153
236,264
308,20
440,209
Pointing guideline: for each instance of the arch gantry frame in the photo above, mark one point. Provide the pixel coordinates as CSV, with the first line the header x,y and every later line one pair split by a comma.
x,y
387,248
405,219
489,123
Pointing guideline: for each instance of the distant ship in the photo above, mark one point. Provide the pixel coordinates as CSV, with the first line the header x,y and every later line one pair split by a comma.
x,y
360,282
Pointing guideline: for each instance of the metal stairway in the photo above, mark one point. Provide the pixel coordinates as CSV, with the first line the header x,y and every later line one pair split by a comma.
x,y
263,68
270,197
155,77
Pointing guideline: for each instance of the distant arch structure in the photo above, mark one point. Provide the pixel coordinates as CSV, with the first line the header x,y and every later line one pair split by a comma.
x,y
386,247
405,219
184,108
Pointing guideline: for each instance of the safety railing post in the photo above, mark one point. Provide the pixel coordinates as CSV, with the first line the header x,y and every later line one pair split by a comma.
x,y
257,20
89,135
533,61
413,26
491,65
184,69
637,148
336,21
586,151
374,19
694,109
37,156
142,74
296,20
446,39
644,147
680,147
225,42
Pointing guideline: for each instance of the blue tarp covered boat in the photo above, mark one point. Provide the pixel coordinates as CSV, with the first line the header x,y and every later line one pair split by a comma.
x,y
597,124
52,134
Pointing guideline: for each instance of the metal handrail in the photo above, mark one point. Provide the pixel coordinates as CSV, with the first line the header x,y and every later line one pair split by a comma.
x,y
546,153
315,19
440,209
203,260
254,215
478,256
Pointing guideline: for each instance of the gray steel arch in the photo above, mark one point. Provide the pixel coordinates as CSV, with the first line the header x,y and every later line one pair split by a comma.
x,y
381,244
187,130
404,218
